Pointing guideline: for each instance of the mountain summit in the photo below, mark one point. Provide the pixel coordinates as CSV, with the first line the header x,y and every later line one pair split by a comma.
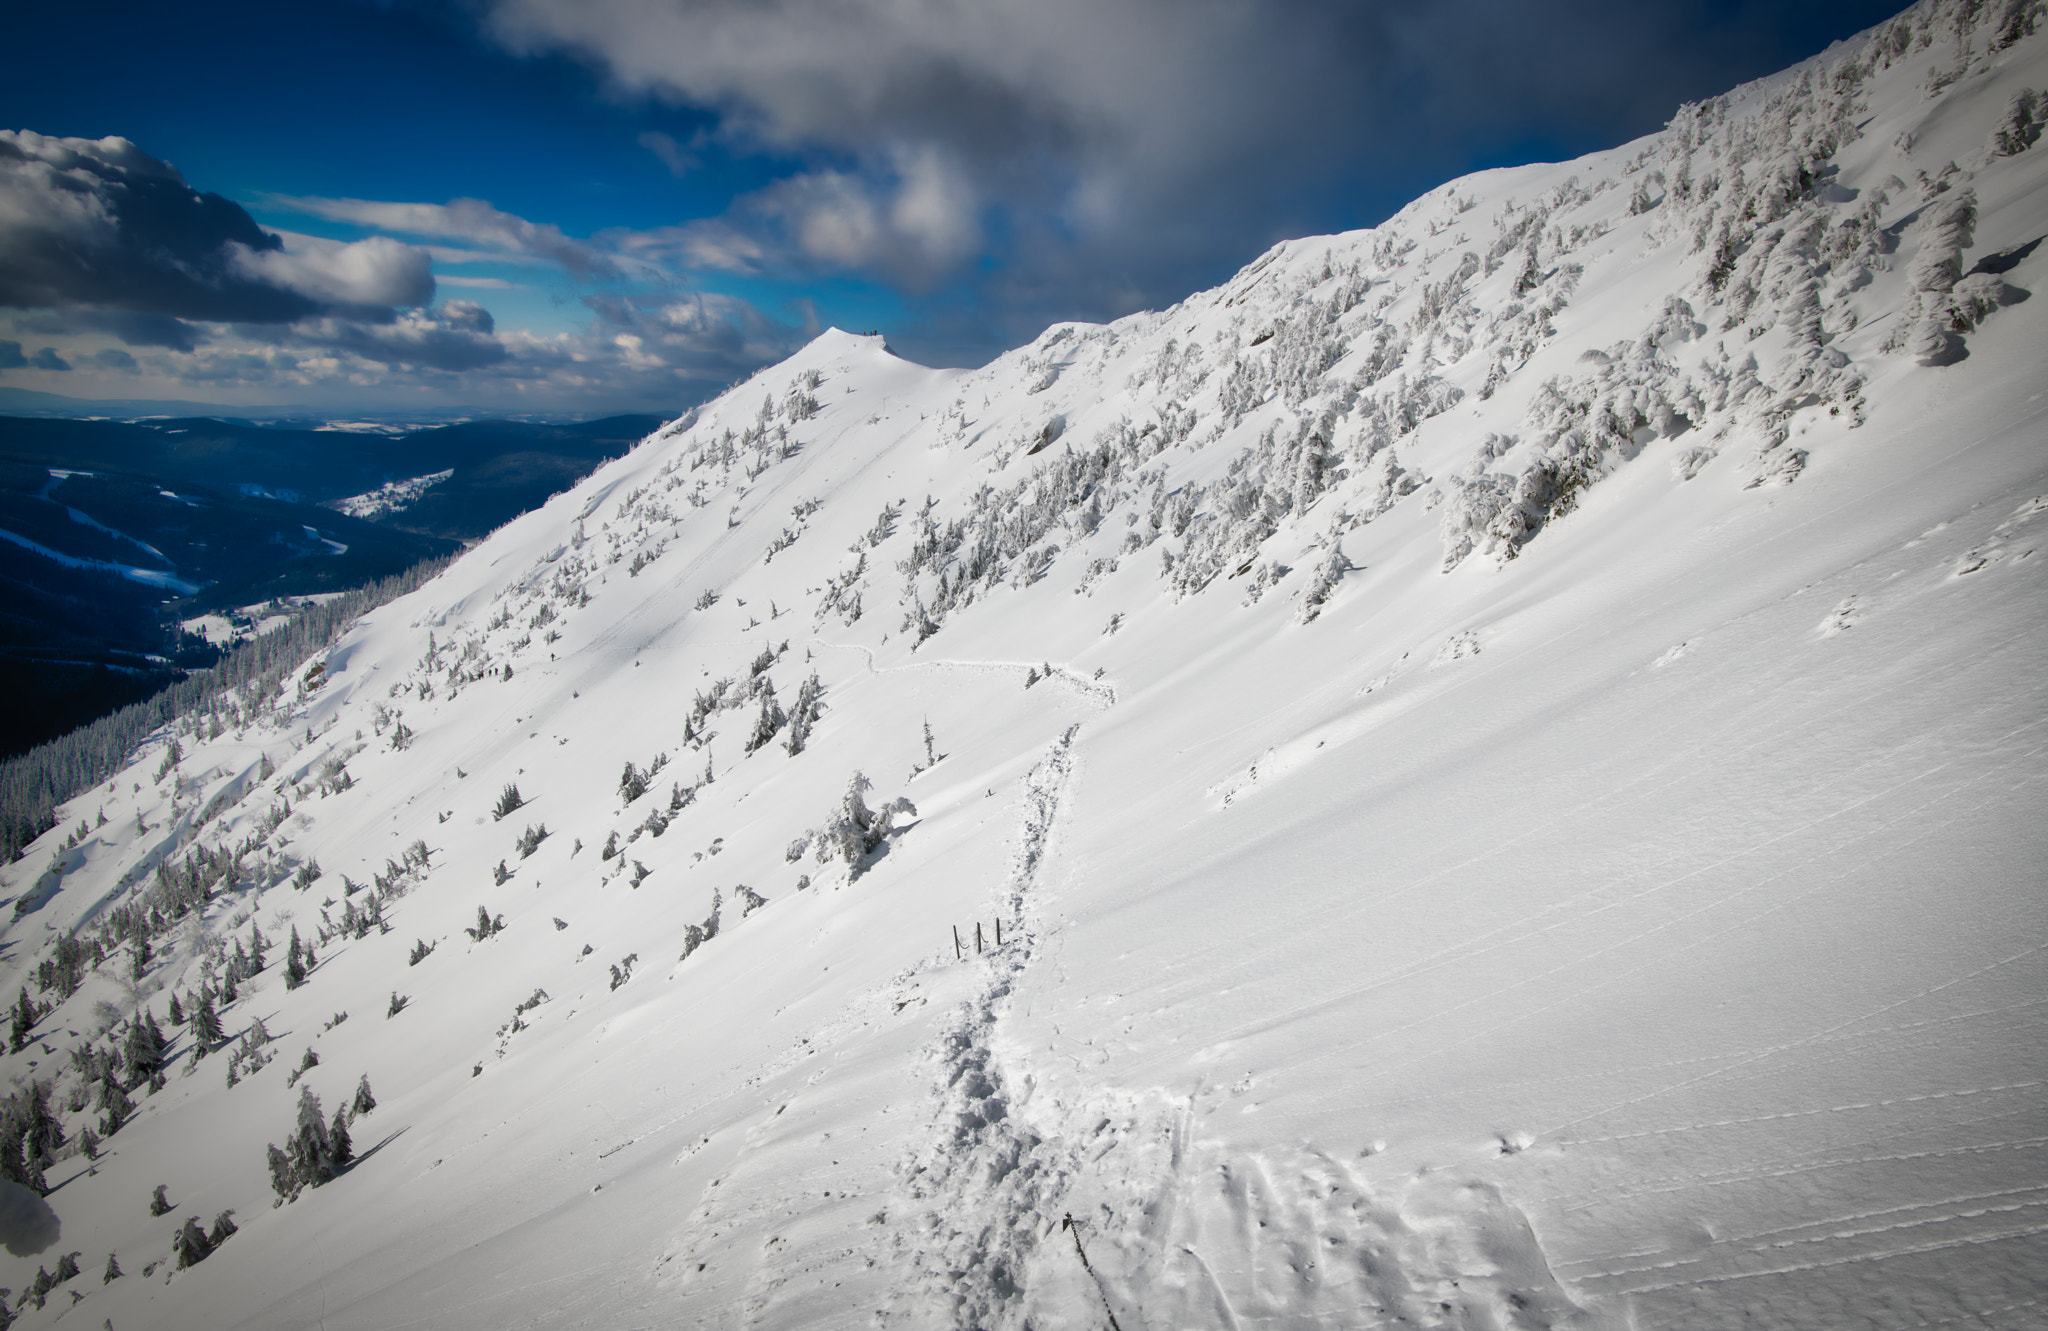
x,y
1485,773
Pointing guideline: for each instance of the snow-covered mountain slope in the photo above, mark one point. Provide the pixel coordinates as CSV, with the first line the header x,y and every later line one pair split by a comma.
x,y
1505,749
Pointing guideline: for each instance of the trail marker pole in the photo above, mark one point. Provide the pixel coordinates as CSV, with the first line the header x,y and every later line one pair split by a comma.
x,y
999,931
977,938
1073,1226
957,952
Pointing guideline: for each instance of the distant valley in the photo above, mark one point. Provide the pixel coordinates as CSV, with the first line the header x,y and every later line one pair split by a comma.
x,y
112,532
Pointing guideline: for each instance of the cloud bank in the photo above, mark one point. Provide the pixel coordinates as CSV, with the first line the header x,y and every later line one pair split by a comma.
x,y
1083,157
101,242
100,224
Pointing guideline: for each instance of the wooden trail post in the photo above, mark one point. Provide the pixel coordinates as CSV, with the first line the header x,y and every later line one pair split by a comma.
x,y
1073,1226
977,938
957,952
999,931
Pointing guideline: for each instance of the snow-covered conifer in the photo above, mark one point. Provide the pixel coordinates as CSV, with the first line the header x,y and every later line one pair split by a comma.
x,y
205,1021
2019,127
24,1021
804,714
767,722
192,1244
295,962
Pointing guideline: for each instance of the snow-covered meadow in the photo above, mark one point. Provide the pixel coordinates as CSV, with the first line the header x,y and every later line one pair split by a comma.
x,y
1506,751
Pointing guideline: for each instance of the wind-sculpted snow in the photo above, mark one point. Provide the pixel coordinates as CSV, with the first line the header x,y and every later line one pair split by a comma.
x,y
1502,752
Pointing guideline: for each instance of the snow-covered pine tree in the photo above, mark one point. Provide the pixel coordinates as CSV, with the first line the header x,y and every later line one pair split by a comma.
x,y
340,1149
769,720
853,831
295,962
24,1021
804,714
191,1243
115,1106
17,1165
42,1132
206,1022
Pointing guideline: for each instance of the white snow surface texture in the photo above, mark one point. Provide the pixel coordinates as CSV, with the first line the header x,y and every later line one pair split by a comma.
x,y
1507,751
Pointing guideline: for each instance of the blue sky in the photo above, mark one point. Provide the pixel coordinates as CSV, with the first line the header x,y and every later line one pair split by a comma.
x,y
596,205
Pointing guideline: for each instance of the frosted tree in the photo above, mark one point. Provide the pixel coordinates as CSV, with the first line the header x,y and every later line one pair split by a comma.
x,y
1926,329
768,721
296,963
854,831
205,1021
804,714
313,1154
192,1244
2020,126
24,1020
1321,583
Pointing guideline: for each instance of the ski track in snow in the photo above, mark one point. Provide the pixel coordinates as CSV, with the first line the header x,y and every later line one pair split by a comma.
x,y
1098,693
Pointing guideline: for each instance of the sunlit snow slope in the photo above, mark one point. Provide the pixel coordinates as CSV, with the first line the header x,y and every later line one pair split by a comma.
x,y
1506,750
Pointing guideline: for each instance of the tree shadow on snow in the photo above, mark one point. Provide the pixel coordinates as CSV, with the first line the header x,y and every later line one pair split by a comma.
x,y
352,1165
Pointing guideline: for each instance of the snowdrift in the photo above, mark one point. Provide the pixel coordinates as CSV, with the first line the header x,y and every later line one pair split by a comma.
x,y
1504,753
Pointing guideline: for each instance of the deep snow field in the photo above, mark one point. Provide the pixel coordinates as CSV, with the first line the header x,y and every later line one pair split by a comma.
x,y
1535,817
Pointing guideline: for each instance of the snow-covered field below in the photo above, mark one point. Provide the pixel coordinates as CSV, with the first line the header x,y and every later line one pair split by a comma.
x,y
1506,752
